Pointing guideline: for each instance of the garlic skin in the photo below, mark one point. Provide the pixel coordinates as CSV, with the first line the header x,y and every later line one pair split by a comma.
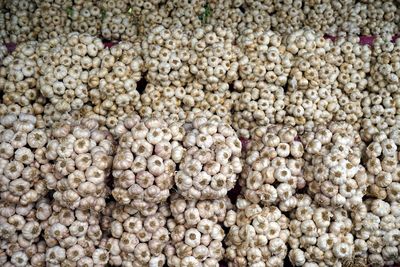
x,y
211,164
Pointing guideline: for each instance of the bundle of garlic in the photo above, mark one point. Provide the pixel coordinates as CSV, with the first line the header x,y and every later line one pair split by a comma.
x,y
196,233
21,228
65,71
216,57
145,162
117,21
382,164
113,84
374,17
333,169
168,57
257,236
22,150
311,80
73,237
353,61
377,241
211,162
273,167
288,18
82,155
19,73
320,235
253,15
380,107
263,69
135,239
180,103
82,78
85,17
50,19
17,25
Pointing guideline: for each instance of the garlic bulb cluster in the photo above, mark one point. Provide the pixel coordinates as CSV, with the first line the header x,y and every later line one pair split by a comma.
x,y
135,239
22,160
50,19
257,235
73,237
196,231
333,171
145,162
377,240
17,26
199,133
82,156
21,228
273,169
211,160
320,235
19,72
382,165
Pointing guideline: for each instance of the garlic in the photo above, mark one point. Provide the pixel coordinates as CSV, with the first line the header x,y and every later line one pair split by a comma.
x,y
83,175
145,162
209,168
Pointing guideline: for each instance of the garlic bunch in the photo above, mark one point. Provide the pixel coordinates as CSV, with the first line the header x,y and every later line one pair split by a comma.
x,y
382,164
50,19
352,80
378,233
85,17
333,169
135,239
65,73
82,155
273,167
311,80
113,84
19,72
181,103
263,69
319,235
145,162
73,237
17,25
196,233
211,161
216,57
168,57
117,22
22,159
21,228
257,236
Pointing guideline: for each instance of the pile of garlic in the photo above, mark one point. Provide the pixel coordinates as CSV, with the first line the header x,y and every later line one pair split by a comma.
x,y
82,154
145,162
196,231
211,162
199,133
133,238
333,169
257,235
273,169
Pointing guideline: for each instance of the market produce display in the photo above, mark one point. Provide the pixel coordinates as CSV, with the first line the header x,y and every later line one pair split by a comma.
x,y
199,133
